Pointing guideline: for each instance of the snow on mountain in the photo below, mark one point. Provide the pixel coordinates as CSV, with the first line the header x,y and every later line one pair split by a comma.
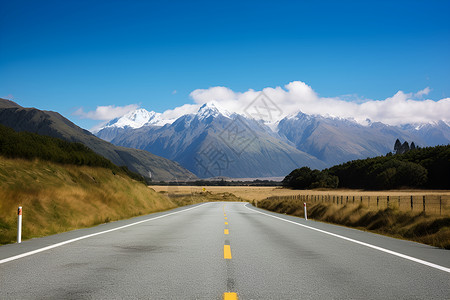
x,y
136,119
212,109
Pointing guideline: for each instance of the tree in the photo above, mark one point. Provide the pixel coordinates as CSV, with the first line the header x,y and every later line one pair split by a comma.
x,y
397,146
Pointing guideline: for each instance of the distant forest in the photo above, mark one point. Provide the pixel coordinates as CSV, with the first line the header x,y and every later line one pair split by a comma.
x,y
29,145
414,168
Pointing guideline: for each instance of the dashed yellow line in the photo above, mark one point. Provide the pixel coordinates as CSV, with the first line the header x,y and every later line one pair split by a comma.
x,y
225,231
230,296
226,252
225,218
226,223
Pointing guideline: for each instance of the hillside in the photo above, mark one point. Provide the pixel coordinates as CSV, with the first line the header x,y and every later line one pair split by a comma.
x,y
57,198
53,124
34,146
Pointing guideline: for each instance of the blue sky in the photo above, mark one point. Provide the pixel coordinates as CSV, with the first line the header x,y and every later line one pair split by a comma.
x,y
67,55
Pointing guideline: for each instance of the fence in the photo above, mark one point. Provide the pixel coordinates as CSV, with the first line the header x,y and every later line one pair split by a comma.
x,y
432,204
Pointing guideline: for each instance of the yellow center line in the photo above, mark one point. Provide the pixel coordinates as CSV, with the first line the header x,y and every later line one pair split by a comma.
x,y
226,252
225,218
225,231
230,296
226,223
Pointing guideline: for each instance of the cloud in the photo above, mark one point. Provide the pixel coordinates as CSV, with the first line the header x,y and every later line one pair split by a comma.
x,y
105,113
423,92
173,114
298,96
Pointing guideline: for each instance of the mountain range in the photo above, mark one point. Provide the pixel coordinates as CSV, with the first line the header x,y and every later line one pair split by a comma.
x,y
214,142
53,124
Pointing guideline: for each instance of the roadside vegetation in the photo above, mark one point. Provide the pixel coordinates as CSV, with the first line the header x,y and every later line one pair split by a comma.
x,y
57,198
421,227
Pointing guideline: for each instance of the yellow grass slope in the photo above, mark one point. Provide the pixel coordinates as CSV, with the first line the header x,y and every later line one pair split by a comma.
x,y
57,198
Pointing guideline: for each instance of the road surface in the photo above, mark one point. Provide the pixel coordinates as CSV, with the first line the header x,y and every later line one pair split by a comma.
x,y
222,250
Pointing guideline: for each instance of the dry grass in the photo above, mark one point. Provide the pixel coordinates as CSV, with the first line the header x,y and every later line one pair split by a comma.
x,y
251,193
421,227
57,198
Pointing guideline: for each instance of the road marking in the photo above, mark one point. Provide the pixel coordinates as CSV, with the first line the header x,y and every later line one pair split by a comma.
x,y
423,262
226,223
224,215
230,296
5,260
226,218
225,231
226,252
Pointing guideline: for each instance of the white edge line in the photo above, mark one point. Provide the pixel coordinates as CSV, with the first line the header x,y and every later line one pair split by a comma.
x,y
5,260
423,262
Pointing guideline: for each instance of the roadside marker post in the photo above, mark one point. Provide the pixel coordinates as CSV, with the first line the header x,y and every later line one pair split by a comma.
x,y
19,225
304,206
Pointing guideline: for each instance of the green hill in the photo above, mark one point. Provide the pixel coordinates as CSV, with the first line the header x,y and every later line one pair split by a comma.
x,y
34,146
419,168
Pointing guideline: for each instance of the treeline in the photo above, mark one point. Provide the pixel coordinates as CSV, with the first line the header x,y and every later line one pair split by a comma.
x,y
29,145
418,168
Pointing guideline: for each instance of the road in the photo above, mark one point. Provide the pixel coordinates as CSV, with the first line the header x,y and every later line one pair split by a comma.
x,y
222,250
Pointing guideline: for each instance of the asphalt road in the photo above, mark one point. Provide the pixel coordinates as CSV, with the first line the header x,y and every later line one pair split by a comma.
x,y
216,250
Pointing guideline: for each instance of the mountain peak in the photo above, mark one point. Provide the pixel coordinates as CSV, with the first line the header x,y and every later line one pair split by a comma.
x,y
211,109
136,119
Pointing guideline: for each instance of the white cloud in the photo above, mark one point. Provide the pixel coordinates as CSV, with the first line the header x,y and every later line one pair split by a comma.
x,y
423,92
298,96
173,114
106,113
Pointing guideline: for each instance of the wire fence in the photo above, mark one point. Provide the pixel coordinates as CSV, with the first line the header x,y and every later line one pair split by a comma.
x,y
430,204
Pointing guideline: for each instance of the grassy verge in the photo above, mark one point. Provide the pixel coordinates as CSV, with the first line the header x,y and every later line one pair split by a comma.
x,y
57,198
420,227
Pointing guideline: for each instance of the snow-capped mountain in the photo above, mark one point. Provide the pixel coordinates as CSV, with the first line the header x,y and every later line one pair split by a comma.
x,y
212,109
244,147
137,119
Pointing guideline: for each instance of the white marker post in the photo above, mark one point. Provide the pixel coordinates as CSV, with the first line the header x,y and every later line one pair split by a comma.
x,y
306,216
19,225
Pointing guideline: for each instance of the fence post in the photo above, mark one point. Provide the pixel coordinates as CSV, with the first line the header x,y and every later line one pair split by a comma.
x,y
306,215
19,225
378,200
440,205
412,203
398,202
353,199
387,202
424,203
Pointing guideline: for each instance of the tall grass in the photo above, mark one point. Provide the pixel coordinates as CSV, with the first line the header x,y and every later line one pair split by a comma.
x,y
421,227
57,198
